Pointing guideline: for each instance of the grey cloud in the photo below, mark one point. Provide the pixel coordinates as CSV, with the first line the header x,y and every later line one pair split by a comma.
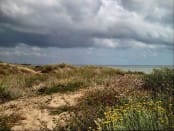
x,y
67,39
66,23
152,10
81,10
21,50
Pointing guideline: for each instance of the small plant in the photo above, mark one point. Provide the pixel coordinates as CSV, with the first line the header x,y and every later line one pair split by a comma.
x,y
9,92
6,122
3,92
82,119
47,69
61,109
31,80
3,124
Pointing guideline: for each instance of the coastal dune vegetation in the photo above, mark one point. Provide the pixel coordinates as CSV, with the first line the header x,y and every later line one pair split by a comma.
x,y
88,98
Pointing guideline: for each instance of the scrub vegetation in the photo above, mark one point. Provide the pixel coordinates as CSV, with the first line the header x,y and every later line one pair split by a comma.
x,y
65,97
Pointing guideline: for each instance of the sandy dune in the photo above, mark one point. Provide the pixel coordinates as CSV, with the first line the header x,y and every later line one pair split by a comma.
x,y
22,68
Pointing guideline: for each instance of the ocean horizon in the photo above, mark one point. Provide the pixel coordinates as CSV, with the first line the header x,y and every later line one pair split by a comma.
x,y
141,68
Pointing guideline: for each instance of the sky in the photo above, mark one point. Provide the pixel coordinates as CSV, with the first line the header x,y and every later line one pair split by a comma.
x,y
102,32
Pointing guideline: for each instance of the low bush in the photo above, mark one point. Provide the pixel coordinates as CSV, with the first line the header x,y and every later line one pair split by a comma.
x,y
3,124
160,80
63,87
9,93
4,95
103,96
14,86
84,118
31,80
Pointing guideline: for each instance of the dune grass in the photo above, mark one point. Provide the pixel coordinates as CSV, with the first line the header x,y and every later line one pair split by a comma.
x,y
15,83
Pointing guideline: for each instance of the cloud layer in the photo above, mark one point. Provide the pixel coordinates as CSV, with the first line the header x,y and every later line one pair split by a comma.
x,y
87,23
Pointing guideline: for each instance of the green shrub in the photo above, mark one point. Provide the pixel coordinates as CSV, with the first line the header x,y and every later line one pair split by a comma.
x,y
81,119
63,87
160,80
31,80
9,93
135,72
4,95
3,124
47,69
105,97
12,87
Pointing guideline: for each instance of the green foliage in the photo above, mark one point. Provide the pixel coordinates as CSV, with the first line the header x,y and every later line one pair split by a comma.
x,y
3,124
160,80
14,86
105,97
137,116
62,87
82,119
52,68
31,80
135,72
3,91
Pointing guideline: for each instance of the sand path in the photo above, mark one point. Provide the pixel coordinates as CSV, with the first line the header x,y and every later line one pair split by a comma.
x,y
36,110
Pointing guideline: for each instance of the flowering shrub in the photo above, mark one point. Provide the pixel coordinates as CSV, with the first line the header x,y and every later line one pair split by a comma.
x,y
137,116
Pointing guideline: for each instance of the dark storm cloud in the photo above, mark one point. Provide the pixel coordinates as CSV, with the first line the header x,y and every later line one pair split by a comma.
x,y
86,23
11,38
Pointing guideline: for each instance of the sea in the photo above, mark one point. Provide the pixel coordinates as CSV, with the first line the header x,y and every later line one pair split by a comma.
x,y
142,68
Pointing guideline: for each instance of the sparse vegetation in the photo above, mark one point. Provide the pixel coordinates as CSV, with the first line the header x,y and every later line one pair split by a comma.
x,y
3,124
6,122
